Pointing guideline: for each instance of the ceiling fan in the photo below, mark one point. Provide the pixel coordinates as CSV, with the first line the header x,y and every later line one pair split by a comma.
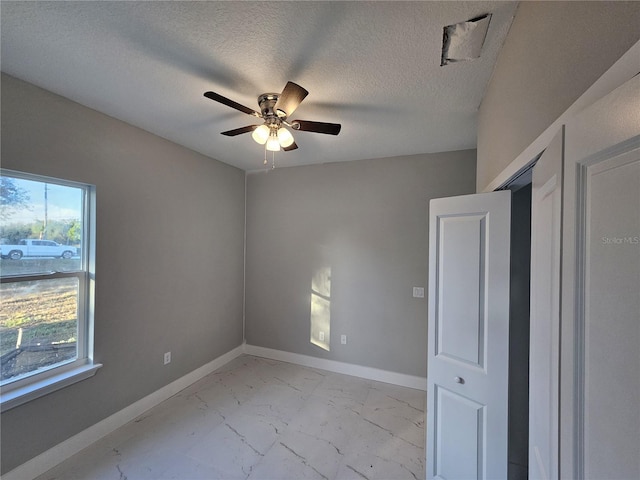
x,y
275,108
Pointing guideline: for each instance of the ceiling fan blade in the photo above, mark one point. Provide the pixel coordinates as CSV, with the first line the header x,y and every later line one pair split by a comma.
x,y
318,127
293,146
289,99
230,103
238,131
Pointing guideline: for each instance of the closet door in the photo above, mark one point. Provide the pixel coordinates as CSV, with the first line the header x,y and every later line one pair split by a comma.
x,y
468,336
600,362
544,350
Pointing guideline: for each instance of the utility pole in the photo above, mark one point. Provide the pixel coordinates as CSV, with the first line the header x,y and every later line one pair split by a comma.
x,y
43,235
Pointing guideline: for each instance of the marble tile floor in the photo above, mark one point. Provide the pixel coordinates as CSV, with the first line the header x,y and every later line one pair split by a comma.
x,y
260,419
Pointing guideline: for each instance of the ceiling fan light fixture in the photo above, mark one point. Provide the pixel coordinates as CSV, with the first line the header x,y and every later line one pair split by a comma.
x,y
261,134
273,145
284,137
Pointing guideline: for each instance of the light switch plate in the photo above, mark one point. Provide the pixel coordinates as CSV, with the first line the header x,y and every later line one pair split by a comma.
x,y
418,292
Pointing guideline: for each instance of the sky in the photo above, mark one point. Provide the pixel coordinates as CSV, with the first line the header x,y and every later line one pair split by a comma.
x,y
64,203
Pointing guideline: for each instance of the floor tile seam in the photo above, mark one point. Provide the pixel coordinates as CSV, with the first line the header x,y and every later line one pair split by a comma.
x,y
356,455
355,415
407,421
260,455
305,396
264,418
302,459
364,404
341,451
362,425
291,428
316,387
263,456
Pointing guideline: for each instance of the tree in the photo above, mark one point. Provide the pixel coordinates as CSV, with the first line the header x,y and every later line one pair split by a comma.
x,y
12,197
74,233
12,234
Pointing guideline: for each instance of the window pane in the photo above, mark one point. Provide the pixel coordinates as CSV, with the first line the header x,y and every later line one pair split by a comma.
x,y
41,226
38,325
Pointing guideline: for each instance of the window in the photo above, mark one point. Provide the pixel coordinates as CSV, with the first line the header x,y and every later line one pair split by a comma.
x,y
46,285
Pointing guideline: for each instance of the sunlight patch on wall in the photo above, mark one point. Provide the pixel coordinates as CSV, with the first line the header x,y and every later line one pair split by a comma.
x,y
320,316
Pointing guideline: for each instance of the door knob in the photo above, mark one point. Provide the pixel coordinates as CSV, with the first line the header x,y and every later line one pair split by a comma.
x,y
458,380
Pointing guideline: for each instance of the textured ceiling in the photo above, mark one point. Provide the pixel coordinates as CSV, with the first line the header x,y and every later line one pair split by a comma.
x,y
374,67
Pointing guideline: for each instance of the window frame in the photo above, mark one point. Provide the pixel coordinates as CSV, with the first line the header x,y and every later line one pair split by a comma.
x,y
54,377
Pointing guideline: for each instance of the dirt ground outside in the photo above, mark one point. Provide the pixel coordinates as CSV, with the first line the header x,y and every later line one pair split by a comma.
x,y
38,324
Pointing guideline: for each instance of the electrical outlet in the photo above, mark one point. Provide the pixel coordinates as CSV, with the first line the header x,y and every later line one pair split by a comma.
x,y
418,292
321,336
343,339
167,358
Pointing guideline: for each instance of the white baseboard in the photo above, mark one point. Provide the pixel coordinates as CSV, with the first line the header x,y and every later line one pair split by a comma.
x,y
401,379
52,457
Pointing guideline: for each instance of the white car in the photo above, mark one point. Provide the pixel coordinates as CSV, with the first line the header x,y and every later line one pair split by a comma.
x,y
37,248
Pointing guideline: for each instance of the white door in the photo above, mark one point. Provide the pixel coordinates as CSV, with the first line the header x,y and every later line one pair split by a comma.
x,y
544,350
600,353
468,336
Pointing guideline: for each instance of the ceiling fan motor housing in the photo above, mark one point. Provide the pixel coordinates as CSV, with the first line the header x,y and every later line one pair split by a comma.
x,y
267,102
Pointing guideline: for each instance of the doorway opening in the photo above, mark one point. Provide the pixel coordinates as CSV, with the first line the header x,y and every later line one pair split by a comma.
x,y
519,322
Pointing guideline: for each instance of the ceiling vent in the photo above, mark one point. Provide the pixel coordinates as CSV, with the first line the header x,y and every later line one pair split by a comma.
x,y
463,41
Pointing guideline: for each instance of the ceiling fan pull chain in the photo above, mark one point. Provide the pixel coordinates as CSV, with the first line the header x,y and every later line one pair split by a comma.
x,y
273,160
265,155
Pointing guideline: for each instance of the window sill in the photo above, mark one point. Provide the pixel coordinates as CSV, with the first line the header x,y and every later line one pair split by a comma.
x,y
39,388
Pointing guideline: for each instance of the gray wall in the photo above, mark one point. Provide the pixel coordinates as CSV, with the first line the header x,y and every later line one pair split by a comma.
x,y
368,222
553,53
170,225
